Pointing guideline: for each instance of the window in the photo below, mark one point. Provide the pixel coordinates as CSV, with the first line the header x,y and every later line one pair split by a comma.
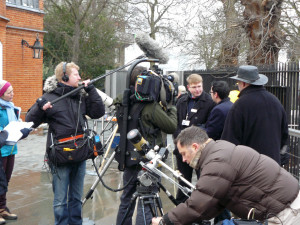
x,y
34,4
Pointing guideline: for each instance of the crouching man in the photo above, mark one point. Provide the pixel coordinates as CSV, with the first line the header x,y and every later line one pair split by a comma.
x,y
234,177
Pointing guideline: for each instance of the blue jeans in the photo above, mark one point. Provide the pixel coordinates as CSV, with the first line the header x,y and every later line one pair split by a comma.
x,y
67,187
126,199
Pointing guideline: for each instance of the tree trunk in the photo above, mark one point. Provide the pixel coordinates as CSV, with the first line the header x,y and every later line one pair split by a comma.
x,y
261,22
76,46
232,37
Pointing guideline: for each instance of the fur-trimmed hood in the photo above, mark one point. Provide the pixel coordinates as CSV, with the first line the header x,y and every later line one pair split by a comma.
x,y
51,83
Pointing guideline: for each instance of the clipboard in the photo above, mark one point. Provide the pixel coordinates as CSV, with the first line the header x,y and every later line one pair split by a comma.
x,y
14,131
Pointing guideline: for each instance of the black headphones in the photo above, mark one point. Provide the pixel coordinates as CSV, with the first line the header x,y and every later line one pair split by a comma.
x,y
65,77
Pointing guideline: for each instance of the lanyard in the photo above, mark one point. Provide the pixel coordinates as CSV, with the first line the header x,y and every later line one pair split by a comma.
x,y
189,109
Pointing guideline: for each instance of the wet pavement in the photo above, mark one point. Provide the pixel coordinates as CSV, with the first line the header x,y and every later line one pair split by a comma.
x,y
30,193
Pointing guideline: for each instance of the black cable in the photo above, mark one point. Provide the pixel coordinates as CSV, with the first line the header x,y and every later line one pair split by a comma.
x,y
111,189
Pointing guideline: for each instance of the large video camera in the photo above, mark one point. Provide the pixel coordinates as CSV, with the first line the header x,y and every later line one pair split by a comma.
x,y
172,77
153,86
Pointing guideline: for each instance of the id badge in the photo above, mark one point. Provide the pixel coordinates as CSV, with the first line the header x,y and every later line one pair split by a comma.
x,y
185,122
193,110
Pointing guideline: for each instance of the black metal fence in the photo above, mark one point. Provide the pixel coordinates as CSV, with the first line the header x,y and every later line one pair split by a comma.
x,y
283,83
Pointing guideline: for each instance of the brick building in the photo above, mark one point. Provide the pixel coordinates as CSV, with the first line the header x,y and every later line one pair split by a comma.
x,y
21,20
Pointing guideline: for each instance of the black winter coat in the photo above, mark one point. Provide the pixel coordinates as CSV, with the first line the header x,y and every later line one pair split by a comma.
x,y
63,117
258,120
203,105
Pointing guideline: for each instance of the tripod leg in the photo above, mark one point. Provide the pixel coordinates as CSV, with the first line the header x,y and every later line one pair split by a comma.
x,y
132,200
103,168
143,210
147,204
91,191
158,204
153,203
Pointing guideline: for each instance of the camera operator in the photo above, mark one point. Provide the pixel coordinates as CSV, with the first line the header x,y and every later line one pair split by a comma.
x,y
151,119
67,145
235,177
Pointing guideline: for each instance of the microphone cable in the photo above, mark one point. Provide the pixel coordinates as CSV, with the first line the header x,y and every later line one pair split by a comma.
x,y
107,187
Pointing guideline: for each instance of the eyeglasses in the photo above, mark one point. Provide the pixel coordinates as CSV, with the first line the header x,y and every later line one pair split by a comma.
x,y
211,92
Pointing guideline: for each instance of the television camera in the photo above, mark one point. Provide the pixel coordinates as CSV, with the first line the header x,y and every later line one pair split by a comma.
x,y
171,77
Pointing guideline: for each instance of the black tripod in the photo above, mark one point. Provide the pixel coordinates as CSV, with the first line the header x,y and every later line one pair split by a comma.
x,y
147,194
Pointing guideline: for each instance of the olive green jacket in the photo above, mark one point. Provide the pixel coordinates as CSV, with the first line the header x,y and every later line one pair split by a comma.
x,y
153,116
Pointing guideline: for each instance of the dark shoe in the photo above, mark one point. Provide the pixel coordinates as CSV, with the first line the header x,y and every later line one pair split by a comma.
x,y
5,213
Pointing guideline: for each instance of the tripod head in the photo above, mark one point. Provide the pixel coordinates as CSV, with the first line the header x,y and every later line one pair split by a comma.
x,y
147,182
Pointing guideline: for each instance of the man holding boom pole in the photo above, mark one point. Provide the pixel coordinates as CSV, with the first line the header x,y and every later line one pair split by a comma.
x,y
68,143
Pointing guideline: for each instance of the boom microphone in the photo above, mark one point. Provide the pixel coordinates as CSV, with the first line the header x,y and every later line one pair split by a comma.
x,y
151,48
108,101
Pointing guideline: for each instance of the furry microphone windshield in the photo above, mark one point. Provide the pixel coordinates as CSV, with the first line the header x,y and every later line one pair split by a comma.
x,y
151,48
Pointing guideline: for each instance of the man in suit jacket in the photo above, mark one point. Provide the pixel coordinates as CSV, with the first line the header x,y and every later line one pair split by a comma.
x,y
215,123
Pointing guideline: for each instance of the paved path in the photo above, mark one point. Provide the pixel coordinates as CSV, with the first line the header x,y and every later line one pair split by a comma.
x,y
30,192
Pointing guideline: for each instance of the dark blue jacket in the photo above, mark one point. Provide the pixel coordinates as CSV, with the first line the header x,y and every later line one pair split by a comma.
x,y
216,120
258,120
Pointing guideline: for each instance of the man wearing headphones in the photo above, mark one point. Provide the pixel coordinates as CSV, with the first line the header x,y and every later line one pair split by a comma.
x,y
67,145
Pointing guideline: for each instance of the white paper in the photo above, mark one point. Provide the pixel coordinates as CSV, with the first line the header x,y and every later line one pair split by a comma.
x,y
14,131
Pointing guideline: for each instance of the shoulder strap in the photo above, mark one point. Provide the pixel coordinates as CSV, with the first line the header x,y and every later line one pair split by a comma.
x,y
163,92
137,109
82,122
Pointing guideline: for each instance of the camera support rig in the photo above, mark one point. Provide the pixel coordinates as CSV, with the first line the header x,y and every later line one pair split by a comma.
x,y
142,146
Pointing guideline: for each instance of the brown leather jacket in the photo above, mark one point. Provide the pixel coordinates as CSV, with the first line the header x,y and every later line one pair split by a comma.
x,y
237,178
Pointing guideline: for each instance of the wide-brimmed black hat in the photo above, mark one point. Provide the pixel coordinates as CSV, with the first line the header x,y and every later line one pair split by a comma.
x,y
250,75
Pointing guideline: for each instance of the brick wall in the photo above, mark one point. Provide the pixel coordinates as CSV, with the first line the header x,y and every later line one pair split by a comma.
x,y
24,18
3,42
2,7
23,71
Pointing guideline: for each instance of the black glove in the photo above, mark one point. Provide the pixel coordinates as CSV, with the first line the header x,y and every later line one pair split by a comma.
x,y
41,102
3,137
89,88
25,132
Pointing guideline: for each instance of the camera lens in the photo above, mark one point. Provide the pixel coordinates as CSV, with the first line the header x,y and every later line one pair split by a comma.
x,y
134,136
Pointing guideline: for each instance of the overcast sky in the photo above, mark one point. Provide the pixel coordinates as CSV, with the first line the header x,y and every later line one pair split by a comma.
x,y
176,61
